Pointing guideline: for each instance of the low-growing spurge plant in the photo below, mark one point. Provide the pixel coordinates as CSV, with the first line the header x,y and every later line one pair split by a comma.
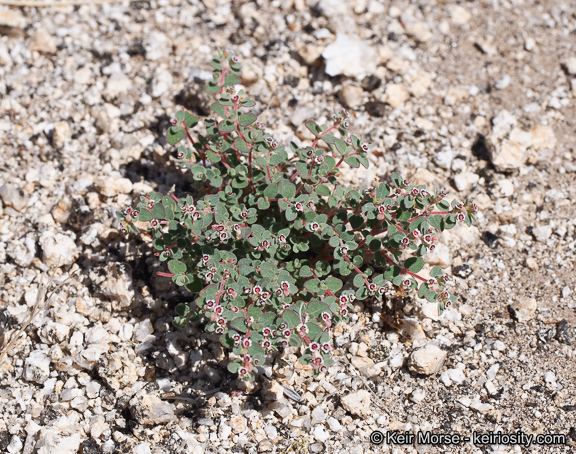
x,y
272,236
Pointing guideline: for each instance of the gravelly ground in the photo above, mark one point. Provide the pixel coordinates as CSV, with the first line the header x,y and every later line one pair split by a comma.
x,y
477,97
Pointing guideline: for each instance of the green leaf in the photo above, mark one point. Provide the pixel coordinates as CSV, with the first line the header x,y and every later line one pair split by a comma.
x,y
288,190
239,324
313,127
305,271
231,79
145,215
322,189
333,284
313,285
190,120
182,309
219,109
240,145
234,366
290,214
436,272
359,280
328,138
177,267
392,272
291,318
175,134
340,146
382,191
159,212
352,161
211,87
226,126
414,264
247,119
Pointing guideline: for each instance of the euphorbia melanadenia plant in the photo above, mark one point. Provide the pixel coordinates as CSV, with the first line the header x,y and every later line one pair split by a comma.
x,y
267,244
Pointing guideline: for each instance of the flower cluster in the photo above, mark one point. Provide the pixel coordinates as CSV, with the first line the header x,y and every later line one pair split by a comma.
x,y
267,236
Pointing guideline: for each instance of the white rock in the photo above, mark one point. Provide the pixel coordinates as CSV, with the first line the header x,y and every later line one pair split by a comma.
x,y
62,437
22,252
491,388
529,44
357,403
162,82
15,445
112,186
479,406
149,409
321,434
499,346
465,181
415,27
542,138
118,83
271,431
396,95
460,15
37,367
441,256
503,124
13,197
418,395
570,65
503,82
457,374
428,360
351,97
12,19
156,45
524,309
238,424
550,377
224,431
143,330
492,371
334,424
542,233
57,250
54,333
42,42
318,416
93,389
349,55
444,158
506,155
419,83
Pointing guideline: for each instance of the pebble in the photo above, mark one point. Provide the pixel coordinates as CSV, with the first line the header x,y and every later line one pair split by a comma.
x,y
529,44
149,409
334,424
503,82
507,155
350,56
492,371
465,181
321,434
61,134
428,360
542,233
415,27
351,97
550,377
460,15
357,403
13,196
365,366
238,424
542,138
265,446
58,250
12,22
570,65
161,83
524,309
42,42
418,395
396,95
37,367
113,186
318,416
224,431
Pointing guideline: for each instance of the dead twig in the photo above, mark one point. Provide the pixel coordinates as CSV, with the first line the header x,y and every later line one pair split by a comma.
x,y
40,4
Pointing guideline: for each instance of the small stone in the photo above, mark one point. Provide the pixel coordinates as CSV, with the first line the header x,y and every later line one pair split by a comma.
x,y
37,367
419,83
239,424
117,84
531,263
365,366
57,250
415,27
565,333
492,371
334,424
224,431
465,181
491,388
529,44
357,403
542,233
487,45
460,15
455,96
271,431
444,159
12,22
375,108
542,138
507,155
13,197
42,42
503,123
550,377
418,395
351,97
15,445
61,211
503,82
477,405
499,346
569,65
149,409
441,256
61,134
112,186
371,83
349,55
318,416
265,446
428,360
396,95
524,309
321,434
156,45
162,82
